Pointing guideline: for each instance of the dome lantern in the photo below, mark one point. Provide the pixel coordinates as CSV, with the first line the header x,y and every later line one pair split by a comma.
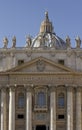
x,y
46,25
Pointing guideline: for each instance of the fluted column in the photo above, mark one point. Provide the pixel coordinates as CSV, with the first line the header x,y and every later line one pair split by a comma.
x,y
78,108
53,109
28,109
69,108
12,109
3,109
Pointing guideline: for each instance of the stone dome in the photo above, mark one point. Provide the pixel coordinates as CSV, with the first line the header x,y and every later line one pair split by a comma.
x,y
47,37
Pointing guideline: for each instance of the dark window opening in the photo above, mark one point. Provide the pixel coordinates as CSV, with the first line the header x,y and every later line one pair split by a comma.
x,y
61,62
40,127
20,116
60,116
20,62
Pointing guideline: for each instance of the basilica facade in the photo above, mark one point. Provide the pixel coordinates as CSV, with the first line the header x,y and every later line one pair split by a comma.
x,y
41,83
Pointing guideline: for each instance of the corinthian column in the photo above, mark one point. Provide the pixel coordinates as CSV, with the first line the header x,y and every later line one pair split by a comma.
x,y
28,109
12,109
3,109
78,108
69,108
53,110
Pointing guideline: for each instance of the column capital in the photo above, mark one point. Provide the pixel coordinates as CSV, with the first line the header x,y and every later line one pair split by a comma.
x,y
69,87
3,86
12,88
78,88
52,88
28,87
3,89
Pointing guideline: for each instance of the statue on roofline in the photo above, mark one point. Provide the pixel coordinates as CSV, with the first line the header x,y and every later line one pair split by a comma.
x,y
68,42
78,42
14,42
28,41
5,42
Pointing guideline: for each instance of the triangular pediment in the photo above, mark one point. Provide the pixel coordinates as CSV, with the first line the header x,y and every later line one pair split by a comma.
x,y
40,64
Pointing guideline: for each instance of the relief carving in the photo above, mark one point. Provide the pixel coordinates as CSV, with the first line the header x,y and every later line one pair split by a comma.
x,y
40,65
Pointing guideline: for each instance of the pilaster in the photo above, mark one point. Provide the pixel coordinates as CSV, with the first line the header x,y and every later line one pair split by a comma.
x,y
3,109
78,108
69,108
53,108
12,108
28,108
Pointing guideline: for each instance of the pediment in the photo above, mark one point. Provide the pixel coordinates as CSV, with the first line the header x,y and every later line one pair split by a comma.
x,y
41,64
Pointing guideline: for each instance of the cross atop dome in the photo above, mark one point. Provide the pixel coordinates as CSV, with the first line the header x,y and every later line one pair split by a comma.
x,y
46,16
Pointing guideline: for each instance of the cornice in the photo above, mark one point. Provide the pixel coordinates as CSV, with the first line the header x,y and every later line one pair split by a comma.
x,y
40,73
38,50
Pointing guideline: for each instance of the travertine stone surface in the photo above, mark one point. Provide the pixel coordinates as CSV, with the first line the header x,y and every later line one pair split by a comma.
x,y
12,108
78,109
69,108
53,110
28,110
3,109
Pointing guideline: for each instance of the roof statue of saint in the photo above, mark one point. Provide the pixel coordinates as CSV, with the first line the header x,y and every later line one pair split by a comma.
x,y
46,37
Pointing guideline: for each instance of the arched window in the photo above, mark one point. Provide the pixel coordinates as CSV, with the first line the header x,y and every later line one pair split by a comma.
x,y
21,101
61,100
41,99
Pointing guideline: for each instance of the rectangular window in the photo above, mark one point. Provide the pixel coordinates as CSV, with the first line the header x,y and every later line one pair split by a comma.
x,y
21,100
60,116
20,116
20,62
61,102
41,99
61,62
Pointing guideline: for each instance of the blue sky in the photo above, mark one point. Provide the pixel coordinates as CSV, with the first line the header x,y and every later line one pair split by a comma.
x,y
23,17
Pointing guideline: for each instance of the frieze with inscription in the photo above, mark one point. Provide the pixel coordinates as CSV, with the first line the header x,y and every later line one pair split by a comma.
x,y
45,80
